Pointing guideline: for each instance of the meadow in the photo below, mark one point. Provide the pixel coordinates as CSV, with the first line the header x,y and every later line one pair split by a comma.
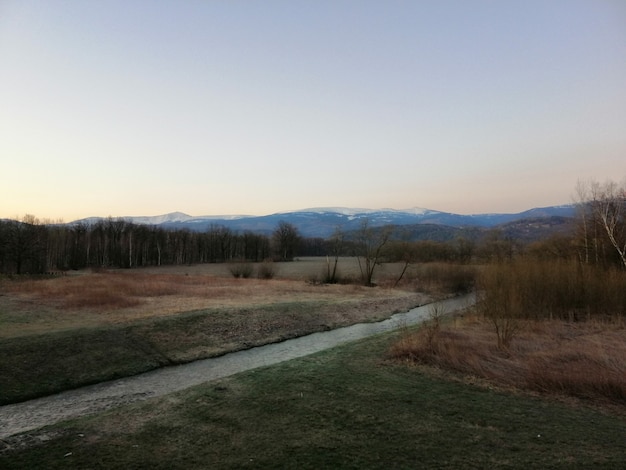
x,y
62,332
454,393
349,407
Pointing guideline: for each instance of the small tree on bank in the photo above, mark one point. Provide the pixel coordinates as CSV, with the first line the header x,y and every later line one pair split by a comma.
x,y
370,242
336,247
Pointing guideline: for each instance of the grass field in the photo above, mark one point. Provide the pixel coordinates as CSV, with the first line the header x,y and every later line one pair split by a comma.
x,y
446,395
350,407
64,332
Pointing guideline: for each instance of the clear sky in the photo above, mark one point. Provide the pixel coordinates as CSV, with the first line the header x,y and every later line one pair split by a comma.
x,y
121,108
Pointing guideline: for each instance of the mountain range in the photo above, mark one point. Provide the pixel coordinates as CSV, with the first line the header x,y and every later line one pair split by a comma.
x,y
323,221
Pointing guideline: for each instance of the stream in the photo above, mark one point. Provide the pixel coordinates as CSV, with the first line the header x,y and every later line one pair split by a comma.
x,y
33,414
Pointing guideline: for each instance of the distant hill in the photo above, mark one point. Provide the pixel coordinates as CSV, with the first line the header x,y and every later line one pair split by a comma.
x,y
535,228
322,222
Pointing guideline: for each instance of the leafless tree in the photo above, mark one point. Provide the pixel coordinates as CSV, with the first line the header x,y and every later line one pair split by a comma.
x,y
603,206
286,239
370,242
609,205
336,247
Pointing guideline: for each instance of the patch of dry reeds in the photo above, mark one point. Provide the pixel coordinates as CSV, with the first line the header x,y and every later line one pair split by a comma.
x,y
584,360
131,294
511,294
436,278
554,290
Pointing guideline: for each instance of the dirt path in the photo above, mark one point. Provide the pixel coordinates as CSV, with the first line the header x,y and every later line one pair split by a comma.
x,y
33,414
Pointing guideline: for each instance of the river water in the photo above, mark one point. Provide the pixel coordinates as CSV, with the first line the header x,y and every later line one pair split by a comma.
x,y
33,414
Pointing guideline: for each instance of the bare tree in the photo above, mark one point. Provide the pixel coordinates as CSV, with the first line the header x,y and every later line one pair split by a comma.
x,y
404,251
608,202
370,242
286,239
26,245
602,220
582,196
336,247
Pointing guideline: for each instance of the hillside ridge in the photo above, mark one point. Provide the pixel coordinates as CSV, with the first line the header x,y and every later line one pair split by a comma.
x,y
323,221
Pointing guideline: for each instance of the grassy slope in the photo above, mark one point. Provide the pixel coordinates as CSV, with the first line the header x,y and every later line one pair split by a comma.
x,y
344,408
61,333
37,365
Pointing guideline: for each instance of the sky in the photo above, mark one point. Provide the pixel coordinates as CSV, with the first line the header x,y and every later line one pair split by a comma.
x,y
215,107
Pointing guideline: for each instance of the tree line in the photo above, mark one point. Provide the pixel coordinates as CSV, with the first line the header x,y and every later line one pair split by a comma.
x,y
29,246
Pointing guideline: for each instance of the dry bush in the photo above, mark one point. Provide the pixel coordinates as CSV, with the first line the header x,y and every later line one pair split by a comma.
x,y
449,349
513,293
501,303
241,269
444,278
584,360
267,270
556,289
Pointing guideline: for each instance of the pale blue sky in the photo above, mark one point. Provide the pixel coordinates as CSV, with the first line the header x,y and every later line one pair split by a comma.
x,y
254,107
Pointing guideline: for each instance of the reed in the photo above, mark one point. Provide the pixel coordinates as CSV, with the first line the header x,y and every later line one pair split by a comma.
x,y
585,360
566,290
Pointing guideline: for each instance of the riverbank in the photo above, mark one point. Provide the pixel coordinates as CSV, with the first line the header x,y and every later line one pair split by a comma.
x,y
33,414
348,407
62,333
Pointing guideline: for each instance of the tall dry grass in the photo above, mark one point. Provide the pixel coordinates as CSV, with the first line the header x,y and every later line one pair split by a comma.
x,y
566,290
435,278
112,289
584,360
551,327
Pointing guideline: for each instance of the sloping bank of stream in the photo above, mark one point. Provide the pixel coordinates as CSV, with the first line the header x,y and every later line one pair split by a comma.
x,y
33,414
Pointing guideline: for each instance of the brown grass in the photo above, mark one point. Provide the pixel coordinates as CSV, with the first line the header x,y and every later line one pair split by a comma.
x,y
435,278
87,327
583,360
563,290
88,299
115,289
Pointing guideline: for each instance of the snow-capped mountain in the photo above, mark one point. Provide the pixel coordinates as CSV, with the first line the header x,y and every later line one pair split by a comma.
x,y
351,211
323,221
161,219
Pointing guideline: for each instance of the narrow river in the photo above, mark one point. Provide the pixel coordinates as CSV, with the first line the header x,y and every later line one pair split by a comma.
x,y
33,414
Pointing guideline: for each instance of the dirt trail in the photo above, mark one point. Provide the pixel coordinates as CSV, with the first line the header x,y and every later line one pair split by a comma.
x,y
33,414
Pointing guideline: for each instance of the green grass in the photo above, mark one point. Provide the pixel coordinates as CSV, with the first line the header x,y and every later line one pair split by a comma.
x,y
38,365
344,408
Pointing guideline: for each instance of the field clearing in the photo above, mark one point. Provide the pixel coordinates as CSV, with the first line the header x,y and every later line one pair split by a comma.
x,y
85,299
466,404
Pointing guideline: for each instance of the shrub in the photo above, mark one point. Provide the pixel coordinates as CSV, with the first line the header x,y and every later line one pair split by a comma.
x,y
329,277
512,293
501,303
432,327
241,269
554,290
447,278
267,270
585,360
